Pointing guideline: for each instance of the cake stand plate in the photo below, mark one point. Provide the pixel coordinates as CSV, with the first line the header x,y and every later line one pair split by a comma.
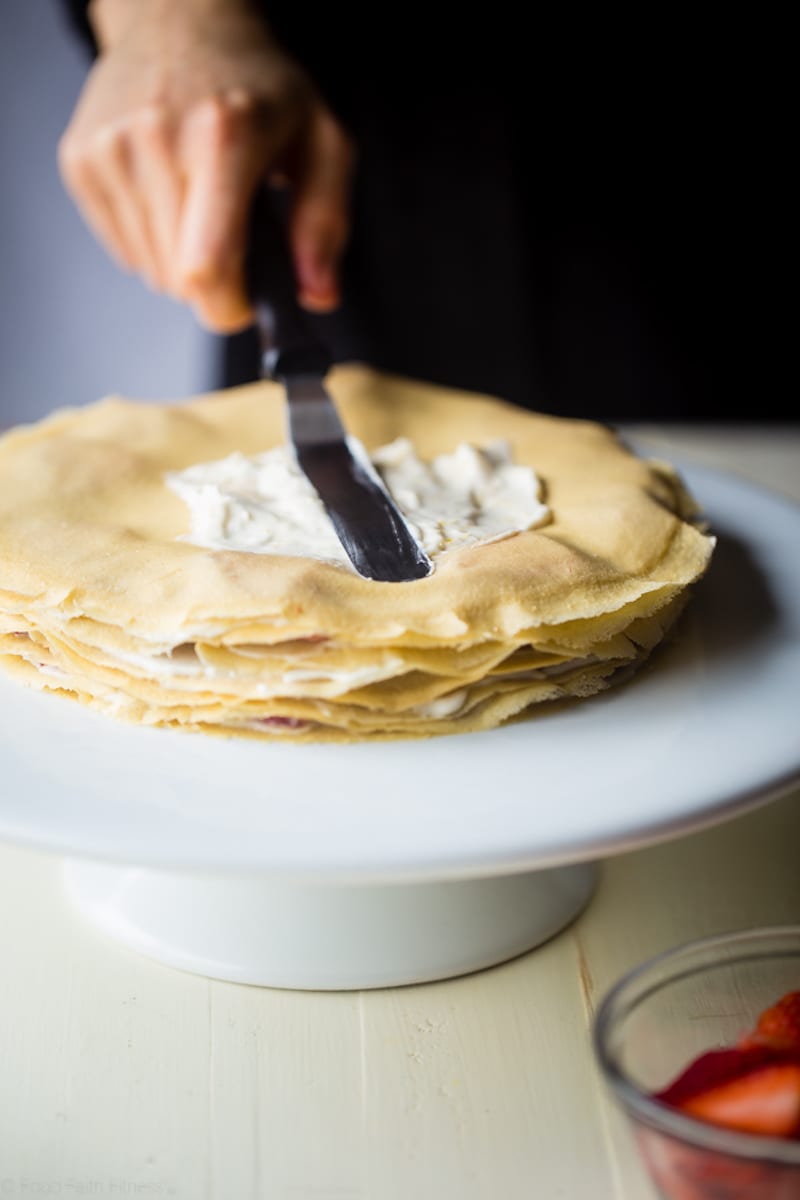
x,y
371,865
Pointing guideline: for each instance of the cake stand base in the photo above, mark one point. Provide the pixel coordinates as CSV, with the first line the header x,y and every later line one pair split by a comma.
x,y
328,936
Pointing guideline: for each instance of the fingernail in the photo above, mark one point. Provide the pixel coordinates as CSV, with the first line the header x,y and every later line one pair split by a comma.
x,y
223,310
317,278
319,295
317,303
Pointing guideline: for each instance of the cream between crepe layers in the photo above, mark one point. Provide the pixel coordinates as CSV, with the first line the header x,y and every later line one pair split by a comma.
x,y
102,599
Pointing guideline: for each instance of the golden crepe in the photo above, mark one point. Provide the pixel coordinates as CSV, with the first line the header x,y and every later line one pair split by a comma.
x,y
103,599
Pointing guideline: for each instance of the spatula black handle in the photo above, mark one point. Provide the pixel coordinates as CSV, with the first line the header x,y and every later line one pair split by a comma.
x,y
289,346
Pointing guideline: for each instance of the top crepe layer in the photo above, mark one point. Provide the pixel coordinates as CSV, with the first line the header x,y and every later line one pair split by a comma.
x,y
88,527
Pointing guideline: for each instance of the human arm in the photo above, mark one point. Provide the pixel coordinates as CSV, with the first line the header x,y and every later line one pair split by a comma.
x,y
189,106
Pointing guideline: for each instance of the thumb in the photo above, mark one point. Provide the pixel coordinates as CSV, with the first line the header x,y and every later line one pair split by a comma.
x,y
319,222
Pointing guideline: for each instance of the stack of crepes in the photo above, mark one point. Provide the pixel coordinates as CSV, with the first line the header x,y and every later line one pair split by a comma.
x,y
103,598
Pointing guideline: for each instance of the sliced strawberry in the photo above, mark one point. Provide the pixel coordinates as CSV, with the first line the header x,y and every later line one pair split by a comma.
x,y
714,1068
779,1025
282,722
764,1101
684,1172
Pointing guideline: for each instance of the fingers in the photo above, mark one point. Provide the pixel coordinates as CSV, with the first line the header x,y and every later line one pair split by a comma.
x,y
80,177
172,204
96,210
226,146
159,185
320,221
171,200
121,182
115,175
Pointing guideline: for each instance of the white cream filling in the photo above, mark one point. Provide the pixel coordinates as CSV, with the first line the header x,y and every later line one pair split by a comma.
x,y
184,664
265,504
445,706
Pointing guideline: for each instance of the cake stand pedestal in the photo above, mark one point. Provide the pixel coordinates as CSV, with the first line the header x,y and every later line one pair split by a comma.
x,y
255,930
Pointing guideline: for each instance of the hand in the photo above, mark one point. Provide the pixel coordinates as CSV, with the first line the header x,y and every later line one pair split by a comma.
x,y
190,105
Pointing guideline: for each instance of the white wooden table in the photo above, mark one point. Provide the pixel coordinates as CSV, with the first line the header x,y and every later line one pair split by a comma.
x,y
123,1078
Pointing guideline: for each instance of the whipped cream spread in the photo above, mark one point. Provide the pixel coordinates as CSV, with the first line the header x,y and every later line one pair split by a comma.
x,y
265,505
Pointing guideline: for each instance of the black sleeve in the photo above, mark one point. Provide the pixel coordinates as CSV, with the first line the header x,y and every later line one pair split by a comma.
x,y
76,14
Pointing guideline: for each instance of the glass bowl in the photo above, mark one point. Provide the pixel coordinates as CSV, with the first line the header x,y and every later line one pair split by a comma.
x,y
704,995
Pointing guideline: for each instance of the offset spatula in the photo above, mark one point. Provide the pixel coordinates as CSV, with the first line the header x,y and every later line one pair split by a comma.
x,y
367,522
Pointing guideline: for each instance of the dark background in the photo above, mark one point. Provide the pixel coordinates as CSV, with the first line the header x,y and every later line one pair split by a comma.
x,y
584,221
72,327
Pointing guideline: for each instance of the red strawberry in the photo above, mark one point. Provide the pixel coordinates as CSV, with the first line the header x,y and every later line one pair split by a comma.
x,y
765,1101
713,1069
779,1026
684,1172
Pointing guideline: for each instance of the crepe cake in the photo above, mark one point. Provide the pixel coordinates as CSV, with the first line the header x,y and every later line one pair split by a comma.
x,y
104,598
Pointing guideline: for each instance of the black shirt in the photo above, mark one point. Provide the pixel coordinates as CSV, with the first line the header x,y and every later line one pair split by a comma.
x,y
550,215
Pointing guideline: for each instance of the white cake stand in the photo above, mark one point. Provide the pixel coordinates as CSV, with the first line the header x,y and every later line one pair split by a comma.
x,y
375,865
